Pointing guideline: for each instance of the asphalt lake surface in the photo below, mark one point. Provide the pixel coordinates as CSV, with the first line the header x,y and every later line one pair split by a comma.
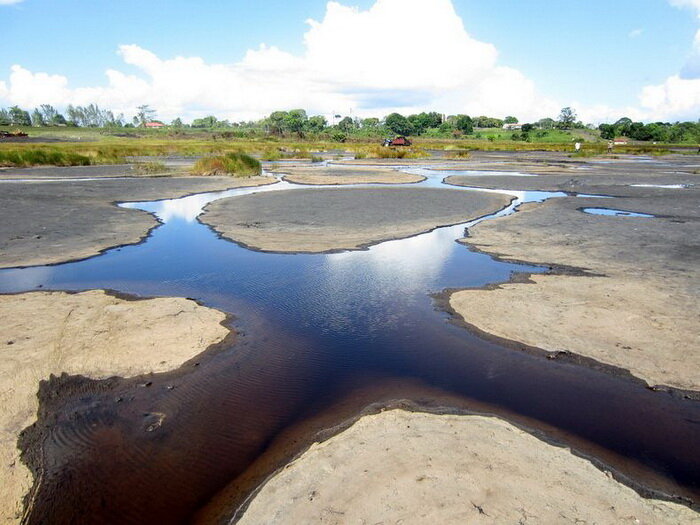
x,y
312,330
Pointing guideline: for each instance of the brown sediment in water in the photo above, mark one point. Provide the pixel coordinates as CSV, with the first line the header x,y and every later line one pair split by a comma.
x,y
100,450
91,333
399,465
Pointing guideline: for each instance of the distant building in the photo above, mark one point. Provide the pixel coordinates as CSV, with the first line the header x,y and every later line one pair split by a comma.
x,y
155,124
620,141
512,127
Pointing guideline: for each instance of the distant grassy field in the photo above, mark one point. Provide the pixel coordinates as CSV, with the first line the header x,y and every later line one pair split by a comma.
x,y
80,146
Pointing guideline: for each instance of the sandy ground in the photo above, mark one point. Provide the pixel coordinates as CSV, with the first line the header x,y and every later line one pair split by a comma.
x,y
51,222
336,219
346,175
641,309
91,334
403,467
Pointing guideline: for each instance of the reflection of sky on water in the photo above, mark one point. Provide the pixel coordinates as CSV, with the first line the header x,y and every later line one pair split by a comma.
x,y
417,260
183,255
615,213
667,186
190,207
431,172
26,279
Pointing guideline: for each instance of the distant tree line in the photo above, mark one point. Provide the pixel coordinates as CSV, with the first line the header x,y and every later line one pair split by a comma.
x,y
297,122
90,116
656,131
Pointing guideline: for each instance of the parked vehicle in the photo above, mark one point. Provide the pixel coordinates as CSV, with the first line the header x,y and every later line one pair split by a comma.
x,y
398,141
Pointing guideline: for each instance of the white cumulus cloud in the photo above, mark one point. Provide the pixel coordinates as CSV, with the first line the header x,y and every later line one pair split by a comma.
x,y
692,4
354,61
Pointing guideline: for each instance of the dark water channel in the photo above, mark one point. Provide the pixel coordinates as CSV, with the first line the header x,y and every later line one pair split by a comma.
x,y
314,328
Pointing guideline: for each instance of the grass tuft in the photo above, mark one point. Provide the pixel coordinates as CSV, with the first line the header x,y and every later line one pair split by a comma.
x,y
150,168
382,152
458,154
235,164
22,158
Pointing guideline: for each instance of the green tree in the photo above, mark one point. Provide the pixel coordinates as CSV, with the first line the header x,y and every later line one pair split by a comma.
x,y
424,121
398,124
204,123
546,123
37,119
370,123
177,123
49,114
638,131
274,124
658,131
346,125
316,124
5,119
464,123
567,118
607,131
19,117
145,114
510,120
294,121
622,126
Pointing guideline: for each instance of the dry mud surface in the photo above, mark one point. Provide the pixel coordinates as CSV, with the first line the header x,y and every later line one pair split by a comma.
x,y
91,334
639,307
403,467
47,222
337,219
65,172
346,175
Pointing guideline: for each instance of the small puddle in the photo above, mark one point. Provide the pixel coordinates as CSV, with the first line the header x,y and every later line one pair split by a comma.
x,y
667,186
615,213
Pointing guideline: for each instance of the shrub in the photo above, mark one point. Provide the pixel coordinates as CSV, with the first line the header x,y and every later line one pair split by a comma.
x,y
236,164
271,155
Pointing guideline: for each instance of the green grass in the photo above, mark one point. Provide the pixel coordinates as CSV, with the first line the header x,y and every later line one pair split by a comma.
x,y
538,136
383,152
235,164
104,147
41,157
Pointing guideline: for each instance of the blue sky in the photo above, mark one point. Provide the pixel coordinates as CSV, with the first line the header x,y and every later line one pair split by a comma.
x,y
590,53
